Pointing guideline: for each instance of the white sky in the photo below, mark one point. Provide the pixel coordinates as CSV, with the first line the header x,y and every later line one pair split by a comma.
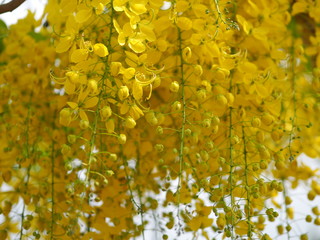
x,y
22,10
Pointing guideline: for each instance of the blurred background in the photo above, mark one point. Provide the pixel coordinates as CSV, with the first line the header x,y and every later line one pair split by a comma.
x,y
36,6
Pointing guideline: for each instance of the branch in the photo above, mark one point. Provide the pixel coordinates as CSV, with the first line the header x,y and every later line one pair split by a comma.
x,y
10,6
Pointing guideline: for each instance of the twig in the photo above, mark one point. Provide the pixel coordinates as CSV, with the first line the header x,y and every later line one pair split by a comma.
x,y
10,6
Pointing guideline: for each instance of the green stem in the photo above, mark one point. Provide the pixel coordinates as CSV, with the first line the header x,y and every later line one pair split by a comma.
x,y
183,113
52,188
29,167
96,118
247,182
231,164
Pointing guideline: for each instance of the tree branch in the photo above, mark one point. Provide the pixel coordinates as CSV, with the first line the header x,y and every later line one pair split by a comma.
x,y
10,6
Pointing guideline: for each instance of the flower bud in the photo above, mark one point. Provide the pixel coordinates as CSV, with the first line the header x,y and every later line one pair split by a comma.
x,y
222,100
308,218
187,132
174,86
186,53
311,195
230,98
84,124
202,94
122,139
109,173
256,122
176,106
206,123
156,83
234,140
304,237
65,150
263,164
198,70
110,125
113,157
130,122
151,118
267,119
159,147
159,130
73,76
123,92
65,116
72,138
92,85
106,112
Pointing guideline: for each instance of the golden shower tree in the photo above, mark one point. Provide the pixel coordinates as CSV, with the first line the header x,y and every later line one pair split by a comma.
x,y
178,117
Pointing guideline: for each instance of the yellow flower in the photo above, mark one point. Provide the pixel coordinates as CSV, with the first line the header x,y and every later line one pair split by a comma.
x,y
79,55
100,49
184,23
83,14
123,92
83,102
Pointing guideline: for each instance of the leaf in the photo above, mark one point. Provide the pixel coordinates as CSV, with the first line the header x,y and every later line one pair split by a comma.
x,y
37,36
3,29
3,34
2,47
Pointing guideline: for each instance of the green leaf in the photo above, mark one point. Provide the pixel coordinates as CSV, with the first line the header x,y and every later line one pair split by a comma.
x,y
3,29
37,36
3,34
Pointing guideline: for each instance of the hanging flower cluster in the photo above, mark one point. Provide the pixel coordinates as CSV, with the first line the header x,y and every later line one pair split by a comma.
x,y
118,116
